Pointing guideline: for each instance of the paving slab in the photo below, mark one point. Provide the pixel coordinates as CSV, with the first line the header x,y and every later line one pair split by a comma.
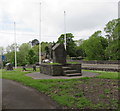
x,y
38,75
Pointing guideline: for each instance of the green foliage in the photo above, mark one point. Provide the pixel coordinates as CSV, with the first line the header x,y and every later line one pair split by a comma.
x,y
112,30
35,42
22,54
31,57
9,57
95,46
70,45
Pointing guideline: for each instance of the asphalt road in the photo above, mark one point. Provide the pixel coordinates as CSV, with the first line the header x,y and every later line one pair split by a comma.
x,y
17,96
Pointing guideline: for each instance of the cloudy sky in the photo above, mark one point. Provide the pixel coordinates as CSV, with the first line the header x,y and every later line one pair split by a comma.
x,y
83,18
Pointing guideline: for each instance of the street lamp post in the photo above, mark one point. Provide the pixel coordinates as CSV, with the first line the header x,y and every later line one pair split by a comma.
x,y
65,29
40,37
15,45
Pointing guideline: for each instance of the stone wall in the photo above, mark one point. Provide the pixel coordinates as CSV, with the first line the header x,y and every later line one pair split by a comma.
x,y
57,70
54,70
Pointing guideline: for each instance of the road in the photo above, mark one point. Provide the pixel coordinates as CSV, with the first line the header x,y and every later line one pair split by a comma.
x,y
17,96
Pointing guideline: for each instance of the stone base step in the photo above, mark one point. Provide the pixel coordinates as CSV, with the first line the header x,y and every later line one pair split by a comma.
x,y
70,71
74,74
67,68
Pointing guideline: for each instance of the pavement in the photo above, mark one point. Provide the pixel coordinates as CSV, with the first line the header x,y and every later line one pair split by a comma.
x,y
38,75
17,96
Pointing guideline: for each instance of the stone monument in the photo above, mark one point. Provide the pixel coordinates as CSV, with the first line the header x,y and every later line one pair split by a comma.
x,y
63,68
59,54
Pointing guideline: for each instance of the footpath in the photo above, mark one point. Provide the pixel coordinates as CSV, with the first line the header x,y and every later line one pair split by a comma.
x,y
17,96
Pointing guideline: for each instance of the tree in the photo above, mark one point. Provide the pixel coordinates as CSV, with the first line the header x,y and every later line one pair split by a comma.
x,y
11,48
35,42
31,57
70,44
112,30
95,46
23,51
36,51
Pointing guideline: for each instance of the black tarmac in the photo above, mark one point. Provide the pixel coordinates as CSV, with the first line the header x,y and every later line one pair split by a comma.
x,y
17,96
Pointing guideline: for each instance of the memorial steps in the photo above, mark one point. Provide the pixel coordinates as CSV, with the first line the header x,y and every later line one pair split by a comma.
x,y
68,71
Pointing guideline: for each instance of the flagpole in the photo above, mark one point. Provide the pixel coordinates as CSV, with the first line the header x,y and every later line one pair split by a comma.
x,y
65,29
15,45
40,36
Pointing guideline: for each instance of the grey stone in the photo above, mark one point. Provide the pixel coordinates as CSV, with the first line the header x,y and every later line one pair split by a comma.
x,y
53,70
59,54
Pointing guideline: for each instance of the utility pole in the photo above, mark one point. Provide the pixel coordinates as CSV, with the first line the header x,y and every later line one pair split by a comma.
x,y
65,43
15,45
40,36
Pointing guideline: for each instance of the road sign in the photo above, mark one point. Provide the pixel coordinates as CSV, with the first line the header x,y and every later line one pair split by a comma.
x,y
3,57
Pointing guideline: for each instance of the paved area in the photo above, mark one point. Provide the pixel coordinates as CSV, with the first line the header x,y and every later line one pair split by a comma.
x,y
37,75
17,96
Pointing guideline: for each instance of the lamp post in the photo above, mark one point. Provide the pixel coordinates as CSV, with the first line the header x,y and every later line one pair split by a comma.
x,y
15,45
65,29
40,36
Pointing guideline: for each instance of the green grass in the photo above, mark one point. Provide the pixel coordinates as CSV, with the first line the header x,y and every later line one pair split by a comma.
x,y
83,102
106,75
63,91
73,62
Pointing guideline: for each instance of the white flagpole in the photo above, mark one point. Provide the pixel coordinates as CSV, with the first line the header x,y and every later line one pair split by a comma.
x,y
40,37
15,45
65,29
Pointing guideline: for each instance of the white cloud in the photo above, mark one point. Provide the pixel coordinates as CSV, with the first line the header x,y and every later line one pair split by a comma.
x,y
83,17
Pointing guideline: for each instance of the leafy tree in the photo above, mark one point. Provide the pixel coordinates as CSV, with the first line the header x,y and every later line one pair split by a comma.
x,y
112,30
70,44
23,51
44,45
10,57
35,42
11,48
95,47
79,49
36,51
31,58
